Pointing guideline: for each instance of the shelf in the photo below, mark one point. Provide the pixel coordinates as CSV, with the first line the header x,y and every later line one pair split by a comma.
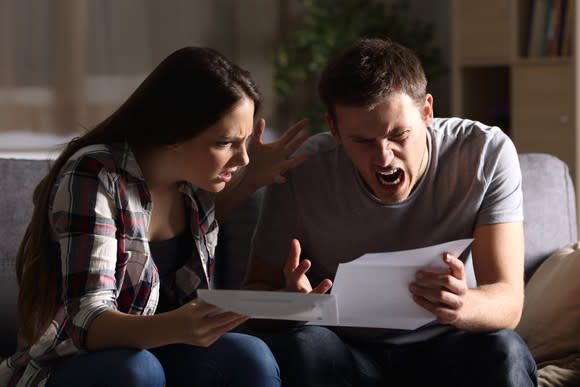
x,y
547,61
535,99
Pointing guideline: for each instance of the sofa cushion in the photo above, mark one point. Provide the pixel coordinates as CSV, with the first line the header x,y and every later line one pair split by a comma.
x,y
550,323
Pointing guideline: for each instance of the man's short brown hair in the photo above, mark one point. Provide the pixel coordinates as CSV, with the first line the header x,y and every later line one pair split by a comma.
x,y
370,71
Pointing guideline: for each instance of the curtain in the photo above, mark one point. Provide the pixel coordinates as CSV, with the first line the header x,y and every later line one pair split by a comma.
x,y
66,64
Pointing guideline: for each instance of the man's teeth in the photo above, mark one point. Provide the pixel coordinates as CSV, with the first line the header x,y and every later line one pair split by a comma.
x,y
391,177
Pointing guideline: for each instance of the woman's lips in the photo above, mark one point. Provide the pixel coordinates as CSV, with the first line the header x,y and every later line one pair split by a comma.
x,y
226,176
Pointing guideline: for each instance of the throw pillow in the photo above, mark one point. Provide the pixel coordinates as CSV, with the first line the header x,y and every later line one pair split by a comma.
x,y
565,372
550,323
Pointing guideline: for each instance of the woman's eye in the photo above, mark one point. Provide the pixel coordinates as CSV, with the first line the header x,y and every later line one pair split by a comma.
x,y
223,144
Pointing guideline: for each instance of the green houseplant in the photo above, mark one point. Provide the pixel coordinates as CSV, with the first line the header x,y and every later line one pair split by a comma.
x,y
326,27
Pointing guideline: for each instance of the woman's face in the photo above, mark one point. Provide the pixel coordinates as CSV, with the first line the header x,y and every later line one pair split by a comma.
x,y
209,159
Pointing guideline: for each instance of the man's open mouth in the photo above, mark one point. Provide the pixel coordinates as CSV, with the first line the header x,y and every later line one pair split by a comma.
x,y
390,177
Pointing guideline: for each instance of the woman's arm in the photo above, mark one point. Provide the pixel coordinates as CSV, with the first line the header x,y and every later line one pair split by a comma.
x,y
194,323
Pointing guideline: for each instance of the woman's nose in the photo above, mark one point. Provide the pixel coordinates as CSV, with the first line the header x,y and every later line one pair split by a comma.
x,y
242,157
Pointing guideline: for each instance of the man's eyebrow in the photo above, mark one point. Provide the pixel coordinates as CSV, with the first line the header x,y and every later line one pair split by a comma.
x,y
400,128
358,137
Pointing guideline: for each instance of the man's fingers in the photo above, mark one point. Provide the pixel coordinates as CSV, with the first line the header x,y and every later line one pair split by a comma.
x,y
456,267
295,144
293,257
323,287
440,296
440,281
302,268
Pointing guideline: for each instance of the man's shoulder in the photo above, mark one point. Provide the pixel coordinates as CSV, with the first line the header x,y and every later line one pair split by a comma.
x,y
448,133
319,143
461,127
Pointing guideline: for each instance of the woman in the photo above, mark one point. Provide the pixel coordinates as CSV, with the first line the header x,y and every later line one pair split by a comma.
x,y
124,231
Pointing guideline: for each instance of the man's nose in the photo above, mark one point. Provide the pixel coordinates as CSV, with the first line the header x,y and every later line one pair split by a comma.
x,y
383,153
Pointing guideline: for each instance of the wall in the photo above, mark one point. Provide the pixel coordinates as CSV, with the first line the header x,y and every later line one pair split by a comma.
x,y
66,64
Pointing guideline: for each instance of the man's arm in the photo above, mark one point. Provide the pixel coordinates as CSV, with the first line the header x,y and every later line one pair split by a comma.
x,y
498,262
497,301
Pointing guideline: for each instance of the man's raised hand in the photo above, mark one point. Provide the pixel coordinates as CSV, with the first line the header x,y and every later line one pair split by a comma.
x,y
295,273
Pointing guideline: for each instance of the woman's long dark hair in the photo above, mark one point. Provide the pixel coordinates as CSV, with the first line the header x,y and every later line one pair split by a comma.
x,y
186,93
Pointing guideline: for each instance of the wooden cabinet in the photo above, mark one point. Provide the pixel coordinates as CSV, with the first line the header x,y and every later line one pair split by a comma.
x,y
543,109
483,31
533,98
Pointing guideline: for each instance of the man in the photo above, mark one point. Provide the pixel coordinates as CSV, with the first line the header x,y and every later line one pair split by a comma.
x,y
391,177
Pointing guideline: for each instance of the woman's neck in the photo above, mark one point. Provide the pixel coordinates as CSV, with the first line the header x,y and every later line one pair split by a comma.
x,y
155,165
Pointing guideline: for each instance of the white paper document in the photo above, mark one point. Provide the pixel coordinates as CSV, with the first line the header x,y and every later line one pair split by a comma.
x,y
274,305
371,291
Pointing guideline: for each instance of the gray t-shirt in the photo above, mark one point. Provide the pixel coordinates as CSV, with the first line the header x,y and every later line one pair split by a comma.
x,y
472,178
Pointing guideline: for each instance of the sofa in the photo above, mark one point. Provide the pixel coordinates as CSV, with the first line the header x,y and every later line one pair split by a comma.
x,y
549,207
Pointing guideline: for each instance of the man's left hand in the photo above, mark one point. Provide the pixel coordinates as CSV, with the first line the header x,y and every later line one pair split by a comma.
x,y
442,293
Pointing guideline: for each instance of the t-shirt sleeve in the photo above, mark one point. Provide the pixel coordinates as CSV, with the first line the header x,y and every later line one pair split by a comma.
x,y
503,200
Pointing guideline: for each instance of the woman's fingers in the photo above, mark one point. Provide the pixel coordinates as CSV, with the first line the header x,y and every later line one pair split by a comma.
x,y
295,143
291,133
260,127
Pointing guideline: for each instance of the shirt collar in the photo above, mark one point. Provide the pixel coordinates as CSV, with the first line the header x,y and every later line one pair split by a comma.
x,y
125,159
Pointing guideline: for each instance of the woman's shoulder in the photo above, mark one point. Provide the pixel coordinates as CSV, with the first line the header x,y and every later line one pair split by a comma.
x,y
102,157
100,152
93,162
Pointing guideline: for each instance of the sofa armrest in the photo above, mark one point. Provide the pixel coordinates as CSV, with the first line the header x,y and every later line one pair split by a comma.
x,y
549,207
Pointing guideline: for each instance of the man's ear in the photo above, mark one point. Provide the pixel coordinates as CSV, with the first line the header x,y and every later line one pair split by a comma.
x,y
332,126
428,110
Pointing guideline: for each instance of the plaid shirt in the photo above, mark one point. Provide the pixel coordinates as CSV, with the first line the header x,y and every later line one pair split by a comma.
x,y
100,212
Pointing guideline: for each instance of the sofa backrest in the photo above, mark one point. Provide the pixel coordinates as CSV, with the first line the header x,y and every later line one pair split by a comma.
x,y
549,207
17,181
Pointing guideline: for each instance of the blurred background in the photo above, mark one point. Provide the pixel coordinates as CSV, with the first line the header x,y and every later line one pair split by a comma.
x,y
66,64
